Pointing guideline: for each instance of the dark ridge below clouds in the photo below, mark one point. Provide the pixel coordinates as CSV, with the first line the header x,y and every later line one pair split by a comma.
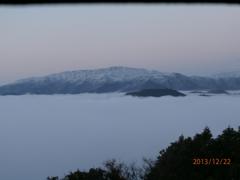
x,y
23,2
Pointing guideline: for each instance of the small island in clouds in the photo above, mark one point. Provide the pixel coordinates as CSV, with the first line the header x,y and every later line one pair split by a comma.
x,y
156,93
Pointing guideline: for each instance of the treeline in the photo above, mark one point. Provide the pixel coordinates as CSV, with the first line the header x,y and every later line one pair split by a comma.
x,y
201,157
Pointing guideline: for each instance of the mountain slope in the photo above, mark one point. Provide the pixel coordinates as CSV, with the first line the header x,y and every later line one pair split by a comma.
x,y
115,79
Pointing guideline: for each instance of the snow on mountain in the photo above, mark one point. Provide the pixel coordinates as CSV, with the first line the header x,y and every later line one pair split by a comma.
x,y
115,74
115,79
233,74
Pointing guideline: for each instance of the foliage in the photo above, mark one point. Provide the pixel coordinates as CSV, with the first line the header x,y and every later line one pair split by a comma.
x,y
176,161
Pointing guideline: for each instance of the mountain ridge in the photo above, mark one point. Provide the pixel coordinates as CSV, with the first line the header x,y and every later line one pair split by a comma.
x,y
115,79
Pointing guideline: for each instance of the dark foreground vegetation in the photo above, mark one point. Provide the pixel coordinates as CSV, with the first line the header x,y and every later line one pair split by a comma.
x,y
199,158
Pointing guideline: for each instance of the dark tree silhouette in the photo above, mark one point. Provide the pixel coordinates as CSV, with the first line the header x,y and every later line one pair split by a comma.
x,y
176,162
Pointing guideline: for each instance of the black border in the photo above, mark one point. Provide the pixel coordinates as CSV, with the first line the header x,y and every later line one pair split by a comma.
x,y
26,2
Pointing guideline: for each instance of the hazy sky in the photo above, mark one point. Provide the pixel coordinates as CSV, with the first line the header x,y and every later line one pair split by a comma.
x,y
191,39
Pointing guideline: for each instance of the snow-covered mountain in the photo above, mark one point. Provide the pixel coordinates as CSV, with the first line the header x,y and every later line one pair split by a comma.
x,y
116,74
233,74
115,79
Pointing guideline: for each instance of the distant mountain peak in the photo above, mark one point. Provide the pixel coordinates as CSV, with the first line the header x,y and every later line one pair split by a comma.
x,y
114,79
232,74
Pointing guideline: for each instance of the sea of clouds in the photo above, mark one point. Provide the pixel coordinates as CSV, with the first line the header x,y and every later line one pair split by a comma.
x,y
46,135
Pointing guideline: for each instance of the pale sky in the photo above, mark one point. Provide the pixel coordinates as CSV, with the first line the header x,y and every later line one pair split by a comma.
x,y
189,39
